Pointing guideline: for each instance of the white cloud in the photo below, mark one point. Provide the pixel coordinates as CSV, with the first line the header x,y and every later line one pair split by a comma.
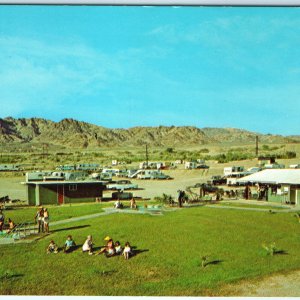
x,y
42,76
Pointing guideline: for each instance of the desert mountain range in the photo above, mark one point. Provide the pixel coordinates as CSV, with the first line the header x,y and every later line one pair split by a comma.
x,y
73,133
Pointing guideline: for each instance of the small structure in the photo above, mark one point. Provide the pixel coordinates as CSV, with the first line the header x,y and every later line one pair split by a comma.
x,y
63,192
263,160
283,185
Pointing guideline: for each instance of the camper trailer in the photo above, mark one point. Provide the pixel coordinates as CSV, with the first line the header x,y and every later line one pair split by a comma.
x,y
296,166
152,165
87,167
232,170
101,176
66,168
195,165
113,172
10,168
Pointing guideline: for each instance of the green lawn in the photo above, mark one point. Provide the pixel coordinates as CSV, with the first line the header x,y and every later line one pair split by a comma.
x,y
169,262
245,205
27,214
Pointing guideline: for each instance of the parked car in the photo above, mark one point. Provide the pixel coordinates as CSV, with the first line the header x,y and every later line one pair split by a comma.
x,y
121,196
217,180
122,185
202,166
162,176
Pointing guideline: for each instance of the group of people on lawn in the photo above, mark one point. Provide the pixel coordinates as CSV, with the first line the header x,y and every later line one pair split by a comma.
x,y
118,204
110,249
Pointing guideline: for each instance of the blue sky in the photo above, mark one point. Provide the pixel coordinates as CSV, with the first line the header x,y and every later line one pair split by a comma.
x,y
121,67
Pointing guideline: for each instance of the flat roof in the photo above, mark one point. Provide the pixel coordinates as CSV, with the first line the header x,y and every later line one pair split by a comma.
x,y
51,182
274,176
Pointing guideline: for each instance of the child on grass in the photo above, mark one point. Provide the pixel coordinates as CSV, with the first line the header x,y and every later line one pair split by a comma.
x,y
118,248
69,244
109,249
52,248
127,250
88,245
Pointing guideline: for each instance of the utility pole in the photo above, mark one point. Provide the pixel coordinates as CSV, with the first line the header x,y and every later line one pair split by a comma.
x,y
256,148
147,158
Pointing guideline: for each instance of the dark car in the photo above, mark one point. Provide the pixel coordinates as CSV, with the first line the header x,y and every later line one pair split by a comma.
x,y
202,167
218,180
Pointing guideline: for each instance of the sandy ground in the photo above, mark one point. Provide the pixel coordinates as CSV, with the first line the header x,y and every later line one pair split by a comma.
x,y
149,188
12,187
276,285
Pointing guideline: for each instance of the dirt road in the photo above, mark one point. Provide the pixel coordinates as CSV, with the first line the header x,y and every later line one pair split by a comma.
x,y
277,285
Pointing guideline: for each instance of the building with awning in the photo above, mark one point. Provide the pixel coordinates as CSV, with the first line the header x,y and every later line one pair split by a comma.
x,y
283,184
63,192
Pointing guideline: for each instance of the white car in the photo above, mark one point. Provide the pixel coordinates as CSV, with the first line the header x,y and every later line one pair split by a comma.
x,y
122,185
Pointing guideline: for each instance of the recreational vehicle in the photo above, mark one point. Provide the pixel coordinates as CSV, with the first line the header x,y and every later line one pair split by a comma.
x,y
10,168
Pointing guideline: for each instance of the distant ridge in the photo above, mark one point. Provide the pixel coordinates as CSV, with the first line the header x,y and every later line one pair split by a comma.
x,y
73,133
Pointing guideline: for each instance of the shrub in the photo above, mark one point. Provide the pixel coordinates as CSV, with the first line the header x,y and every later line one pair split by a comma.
x,y
271,249
165,199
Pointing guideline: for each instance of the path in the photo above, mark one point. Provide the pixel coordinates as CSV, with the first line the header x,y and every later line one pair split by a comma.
x,y
276,285
108,211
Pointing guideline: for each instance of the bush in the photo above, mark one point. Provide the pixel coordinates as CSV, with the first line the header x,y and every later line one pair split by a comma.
x,y
165,199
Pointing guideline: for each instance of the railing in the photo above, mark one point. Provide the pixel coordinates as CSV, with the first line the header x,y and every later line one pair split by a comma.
x,y
21,230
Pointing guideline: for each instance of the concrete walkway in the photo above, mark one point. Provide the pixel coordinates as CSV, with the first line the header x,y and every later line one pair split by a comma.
x,y
109,211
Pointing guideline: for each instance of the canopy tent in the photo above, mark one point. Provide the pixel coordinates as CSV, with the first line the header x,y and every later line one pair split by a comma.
x,y
274,176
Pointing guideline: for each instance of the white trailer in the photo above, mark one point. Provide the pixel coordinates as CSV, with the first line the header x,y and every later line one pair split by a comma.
x,y
190,165
296,166
233,170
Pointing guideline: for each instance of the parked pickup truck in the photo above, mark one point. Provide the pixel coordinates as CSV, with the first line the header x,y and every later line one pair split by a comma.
x,y
122,185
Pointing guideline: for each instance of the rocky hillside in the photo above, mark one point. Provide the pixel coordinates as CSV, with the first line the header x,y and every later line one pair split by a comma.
x,y
72,133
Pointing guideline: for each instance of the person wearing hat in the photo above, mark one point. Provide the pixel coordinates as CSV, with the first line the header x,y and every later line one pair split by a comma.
x,y
109,249
88,245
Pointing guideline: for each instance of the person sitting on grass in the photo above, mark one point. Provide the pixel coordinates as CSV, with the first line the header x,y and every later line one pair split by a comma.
x,y
127,251
118,204
52,248
69,244
88,245
133,204
118,248
11,225
109,249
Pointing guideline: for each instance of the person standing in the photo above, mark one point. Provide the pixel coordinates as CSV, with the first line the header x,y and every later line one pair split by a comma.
x,y
46,220
180,197
2,218
39,219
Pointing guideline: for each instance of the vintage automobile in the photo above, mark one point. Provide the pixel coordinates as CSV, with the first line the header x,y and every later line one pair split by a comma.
x,y
122,185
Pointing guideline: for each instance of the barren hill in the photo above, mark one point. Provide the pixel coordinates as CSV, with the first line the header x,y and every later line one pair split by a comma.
x,y
73,133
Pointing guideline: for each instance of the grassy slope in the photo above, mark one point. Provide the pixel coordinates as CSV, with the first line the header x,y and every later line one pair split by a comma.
x,y
170,266
26,214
